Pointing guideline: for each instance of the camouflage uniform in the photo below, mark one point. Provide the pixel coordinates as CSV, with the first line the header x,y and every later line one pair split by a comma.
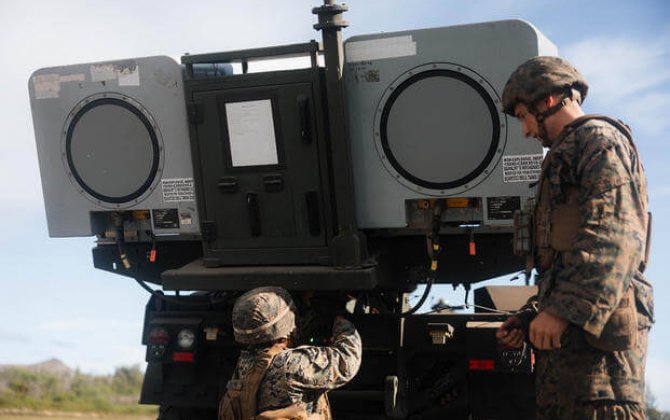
x,y
584,285
278,382
305,373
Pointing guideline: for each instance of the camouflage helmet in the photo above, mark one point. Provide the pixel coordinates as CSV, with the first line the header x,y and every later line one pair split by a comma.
x,y
263,315
539,77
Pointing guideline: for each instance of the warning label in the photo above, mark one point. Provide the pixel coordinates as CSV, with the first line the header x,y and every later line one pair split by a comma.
x,y
522,168
178,189
363,71
502,208
165,218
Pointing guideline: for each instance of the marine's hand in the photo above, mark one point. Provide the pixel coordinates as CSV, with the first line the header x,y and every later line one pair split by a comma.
x,y
546,330
510,334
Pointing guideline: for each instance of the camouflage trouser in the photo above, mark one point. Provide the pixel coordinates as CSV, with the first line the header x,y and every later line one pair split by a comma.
x,y
594,410
579,377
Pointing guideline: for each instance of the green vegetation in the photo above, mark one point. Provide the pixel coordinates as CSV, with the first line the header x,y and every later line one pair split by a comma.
x,y
73,391
652,412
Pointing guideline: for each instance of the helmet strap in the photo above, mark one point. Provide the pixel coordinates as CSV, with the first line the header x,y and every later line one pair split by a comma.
x,y
542,116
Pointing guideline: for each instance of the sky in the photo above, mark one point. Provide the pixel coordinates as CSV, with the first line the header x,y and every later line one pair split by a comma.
x,y
53,303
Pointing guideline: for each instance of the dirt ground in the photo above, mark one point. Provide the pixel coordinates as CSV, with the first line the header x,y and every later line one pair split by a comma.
x,y
80,416
49,415
65,416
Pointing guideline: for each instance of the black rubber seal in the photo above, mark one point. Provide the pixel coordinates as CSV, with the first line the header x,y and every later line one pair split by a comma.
x,y
494,119
154,144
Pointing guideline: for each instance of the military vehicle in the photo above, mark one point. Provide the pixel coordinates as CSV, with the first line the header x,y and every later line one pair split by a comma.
x,y
382,167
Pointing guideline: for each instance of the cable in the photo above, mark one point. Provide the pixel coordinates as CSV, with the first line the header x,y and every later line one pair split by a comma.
x,y
434,238
426,292
498,311
118,221
127,264
176,300
467,305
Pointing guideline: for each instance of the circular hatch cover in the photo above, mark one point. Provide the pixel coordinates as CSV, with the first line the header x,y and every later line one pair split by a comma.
x,y
440,129
112,149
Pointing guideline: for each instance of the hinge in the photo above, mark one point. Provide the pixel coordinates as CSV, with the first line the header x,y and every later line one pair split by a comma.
x,y
195,113
208,231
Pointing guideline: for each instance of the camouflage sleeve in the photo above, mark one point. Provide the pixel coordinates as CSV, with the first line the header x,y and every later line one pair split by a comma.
x,y
325,368
590,280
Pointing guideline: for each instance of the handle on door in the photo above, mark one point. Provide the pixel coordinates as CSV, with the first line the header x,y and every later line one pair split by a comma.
x,y
305,119
253,209
313,218
227,184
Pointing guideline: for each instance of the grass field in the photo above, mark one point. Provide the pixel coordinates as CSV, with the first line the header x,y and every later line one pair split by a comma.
x,y
48,415
66,417
71,418
63,393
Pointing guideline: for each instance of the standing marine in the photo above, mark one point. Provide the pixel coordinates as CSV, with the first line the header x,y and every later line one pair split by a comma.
x,y
273,380
594,308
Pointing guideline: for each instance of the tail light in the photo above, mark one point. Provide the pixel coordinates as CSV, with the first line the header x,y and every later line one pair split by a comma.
x,y
158,342
158,336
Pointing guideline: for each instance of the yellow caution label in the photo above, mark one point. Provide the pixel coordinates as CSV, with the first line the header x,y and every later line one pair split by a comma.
x,y
458,202
140,214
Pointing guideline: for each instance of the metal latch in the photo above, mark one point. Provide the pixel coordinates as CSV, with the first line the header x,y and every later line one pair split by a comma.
x,y
211,333
227,184
273,183
440,333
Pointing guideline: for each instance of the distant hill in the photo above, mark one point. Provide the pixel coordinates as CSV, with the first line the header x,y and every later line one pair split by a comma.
x,y
51,366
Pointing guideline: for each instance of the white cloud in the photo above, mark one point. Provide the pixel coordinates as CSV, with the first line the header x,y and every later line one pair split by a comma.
x,y
629,78
659,381
619,67
648,112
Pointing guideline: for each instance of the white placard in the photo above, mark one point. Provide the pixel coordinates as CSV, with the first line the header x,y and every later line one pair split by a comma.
x,y
79,77
129,75
178,189
252,133
102,72
522,168
46,86
126,73
375,49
